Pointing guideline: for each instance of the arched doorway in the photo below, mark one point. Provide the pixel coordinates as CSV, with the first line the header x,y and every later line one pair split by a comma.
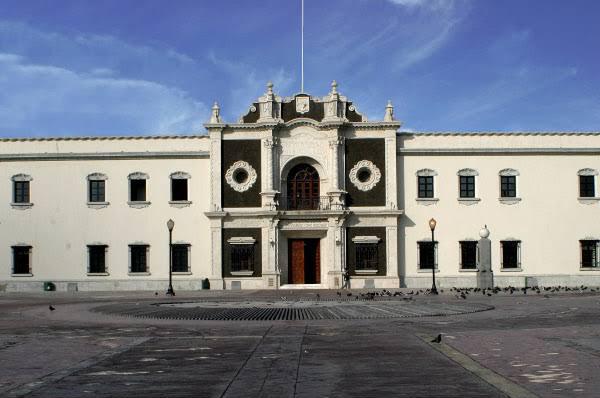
x,y
303,188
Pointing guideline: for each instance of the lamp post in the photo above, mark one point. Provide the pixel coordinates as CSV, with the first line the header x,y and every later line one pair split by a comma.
x,y
432,224
170,226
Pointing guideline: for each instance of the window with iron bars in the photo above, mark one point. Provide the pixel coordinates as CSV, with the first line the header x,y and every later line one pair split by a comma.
x,y
589,253
242,258
367,256
181,258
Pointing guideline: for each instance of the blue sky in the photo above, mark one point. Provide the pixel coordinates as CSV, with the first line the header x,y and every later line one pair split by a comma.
x,y
70,68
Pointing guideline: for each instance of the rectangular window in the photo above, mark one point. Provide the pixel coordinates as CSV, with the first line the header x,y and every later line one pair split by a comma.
x,y
367,256
508,186
21,192
21,260
427,257
179,189
96,191
242,258
589,253
467,186
426,187
511,254
181,258
468,255
137,190
97,259
586,187
139,258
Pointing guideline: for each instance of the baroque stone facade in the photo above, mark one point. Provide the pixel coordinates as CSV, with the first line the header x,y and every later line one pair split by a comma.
x,y
302,191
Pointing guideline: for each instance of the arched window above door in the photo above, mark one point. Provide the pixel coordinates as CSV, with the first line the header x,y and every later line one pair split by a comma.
x,y
303,188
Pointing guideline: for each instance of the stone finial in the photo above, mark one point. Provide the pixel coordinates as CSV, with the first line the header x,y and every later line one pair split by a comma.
x,y
334,86
484,232
215,116
270,88
389,112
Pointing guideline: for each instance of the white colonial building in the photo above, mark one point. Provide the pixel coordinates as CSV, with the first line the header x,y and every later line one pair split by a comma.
x,y
300,192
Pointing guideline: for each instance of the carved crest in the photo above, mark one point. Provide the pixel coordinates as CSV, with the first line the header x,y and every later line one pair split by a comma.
x,y
302,104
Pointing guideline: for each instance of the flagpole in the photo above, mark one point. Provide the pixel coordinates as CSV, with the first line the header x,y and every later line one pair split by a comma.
x,y
302,51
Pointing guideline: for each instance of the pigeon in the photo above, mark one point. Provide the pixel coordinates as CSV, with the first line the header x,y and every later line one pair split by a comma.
x,y
318,296
349,294
156,293
463,296
339,294
51,308
438,339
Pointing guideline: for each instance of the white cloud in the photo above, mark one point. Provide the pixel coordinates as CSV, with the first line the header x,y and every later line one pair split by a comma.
x,y
430,4
45,100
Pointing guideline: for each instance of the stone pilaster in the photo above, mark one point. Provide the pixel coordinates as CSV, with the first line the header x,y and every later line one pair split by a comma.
x,y
336,194
271,272
269,195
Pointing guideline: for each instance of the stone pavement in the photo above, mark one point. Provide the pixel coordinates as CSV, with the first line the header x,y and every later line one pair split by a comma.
x,y
526,346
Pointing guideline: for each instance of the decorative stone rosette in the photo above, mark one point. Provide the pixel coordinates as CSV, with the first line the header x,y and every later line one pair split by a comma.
x,y
241,176
365,175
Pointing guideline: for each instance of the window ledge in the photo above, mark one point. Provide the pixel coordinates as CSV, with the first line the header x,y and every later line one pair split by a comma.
x,y
509,201
178,204
588,201
97,205
242,273
468,270
98,274
138,273
365,271
511,269
427,201
138,204
21,275
427,270
589,269
21,206
182,273
469,201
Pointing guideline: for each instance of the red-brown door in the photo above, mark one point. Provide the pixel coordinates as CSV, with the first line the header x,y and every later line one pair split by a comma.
x,y
296,260
304,261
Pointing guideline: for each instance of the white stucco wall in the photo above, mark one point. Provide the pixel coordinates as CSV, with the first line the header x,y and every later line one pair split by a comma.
x,y
549,220
60,225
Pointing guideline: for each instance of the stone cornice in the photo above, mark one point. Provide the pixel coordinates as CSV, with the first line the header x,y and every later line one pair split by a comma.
x,y
498,151
107,138
495,133
103,156
324,125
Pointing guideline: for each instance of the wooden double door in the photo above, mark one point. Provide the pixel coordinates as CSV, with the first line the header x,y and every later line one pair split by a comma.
x,y
304,261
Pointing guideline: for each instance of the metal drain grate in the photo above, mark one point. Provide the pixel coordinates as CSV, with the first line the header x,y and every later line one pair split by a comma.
x,y
289,311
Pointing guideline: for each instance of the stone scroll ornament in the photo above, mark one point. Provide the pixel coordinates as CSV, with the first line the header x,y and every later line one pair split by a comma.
x,y
365,175
240,176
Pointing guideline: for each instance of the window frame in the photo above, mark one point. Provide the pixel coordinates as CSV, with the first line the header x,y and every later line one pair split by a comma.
x,y
23,180
139,246
426,174
435,255
187,247
510,173
518,244
243,244
587,173
176,176
596,245
29,250
137,176
90,249
461,256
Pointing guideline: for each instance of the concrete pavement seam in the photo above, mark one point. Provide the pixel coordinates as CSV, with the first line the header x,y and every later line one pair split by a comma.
x,y
494,379
28,388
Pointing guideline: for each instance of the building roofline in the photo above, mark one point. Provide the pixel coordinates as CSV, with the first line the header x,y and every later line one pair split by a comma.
x,y
493,133
106,138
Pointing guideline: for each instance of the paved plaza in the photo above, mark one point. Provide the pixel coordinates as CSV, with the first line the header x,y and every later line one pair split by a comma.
x,y
299,343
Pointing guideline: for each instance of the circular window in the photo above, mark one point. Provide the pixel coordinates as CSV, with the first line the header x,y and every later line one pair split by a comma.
x,y
240,176
365,175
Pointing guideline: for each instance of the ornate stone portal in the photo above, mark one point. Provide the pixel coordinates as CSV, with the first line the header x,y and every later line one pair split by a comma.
x,y
304,225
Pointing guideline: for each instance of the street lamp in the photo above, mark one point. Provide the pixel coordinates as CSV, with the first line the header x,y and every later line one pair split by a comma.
x,y
170,226
432,224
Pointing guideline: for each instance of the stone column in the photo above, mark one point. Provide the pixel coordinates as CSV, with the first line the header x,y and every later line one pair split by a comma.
x,y
216,249
336,194
269,194
485,276
392,251
271,273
